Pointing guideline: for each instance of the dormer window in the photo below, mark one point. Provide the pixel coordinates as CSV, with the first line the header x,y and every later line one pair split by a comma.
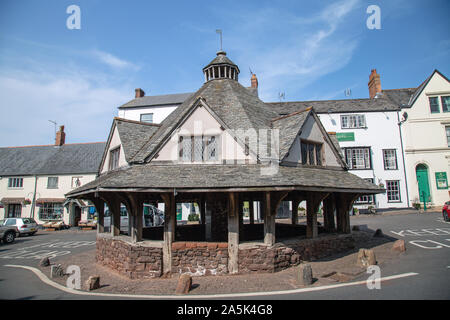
x,y
114,158
311,153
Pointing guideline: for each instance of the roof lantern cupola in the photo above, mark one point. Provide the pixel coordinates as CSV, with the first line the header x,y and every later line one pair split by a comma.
x,y
221,68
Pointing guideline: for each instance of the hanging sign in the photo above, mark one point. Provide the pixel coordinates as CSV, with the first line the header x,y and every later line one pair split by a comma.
x,y
441,180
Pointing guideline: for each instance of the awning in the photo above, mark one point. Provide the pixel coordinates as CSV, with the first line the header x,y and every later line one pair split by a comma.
x,y
12,200
78,202
50,200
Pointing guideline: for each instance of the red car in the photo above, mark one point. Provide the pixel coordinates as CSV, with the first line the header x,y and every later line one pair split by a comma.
x,y
446,211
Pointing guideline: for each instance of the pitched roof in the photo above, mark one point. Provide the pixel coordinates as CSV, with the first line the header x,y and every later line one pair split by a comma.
x,y
169,177
80,158
289,127
423,85
380,104
160,100
233,104
400,96
134,134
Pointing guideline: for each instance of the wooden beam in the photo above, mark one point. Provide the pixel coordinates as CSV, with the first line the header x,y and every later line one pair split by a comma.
x,y
233,233
329,207
100,208
114,209
313,201
294,214
251,208
271,202
344,202
170,220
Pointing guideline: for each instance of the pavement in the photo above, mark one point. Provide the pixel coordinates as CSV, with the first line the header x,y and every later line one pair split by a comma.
x,y
422,272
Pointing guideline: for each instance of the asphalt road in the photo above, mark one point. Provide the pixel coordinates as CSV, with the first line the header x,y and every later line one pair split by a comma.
x,y
427,239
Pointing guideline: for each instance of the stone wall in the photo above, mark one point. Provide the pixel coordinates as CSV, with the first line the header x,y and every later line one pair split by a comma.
x,y
261,258
132,260
138,261
200,258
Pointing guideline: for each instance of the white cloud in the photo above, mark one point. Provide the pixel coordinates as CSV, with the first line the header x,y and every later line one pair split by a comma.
x,y
302,49
113,61
83,102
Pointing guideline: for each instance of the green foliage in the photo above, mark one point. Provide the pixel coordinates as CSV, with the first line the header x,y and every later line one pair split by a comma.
x,y
193,217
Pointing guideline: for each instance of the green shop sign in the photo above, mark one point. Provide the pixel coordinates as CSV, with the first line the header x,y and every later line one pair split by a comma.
x,y
345,136
441,180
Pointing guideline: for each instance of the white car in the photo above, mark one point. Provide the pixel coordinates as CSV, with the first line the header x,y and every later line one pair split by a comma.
x,y
152,217
24,225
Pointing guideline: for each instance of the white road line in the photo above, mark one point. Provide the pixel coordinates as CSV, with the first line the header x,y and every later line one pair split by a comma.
x,y
46,280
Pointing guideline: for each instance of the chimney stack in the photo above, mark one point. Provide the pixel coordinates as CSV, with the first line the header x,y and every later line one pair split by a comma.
x,y
254,81
139,93
60,137
374,84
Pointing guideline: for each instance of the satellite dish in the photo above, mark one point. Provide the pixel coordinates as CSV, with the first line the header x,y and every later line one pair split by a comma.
x,y
405,116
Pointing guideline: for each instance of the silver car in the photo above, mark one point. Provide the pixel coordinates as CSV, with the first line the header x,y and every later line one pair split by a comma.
x,y
8,233
26,226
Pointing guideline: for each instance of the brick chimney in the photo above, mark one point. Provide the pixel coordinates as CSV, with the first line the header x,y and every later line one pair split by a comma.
x,y
254,81
139,93
60,137
374,84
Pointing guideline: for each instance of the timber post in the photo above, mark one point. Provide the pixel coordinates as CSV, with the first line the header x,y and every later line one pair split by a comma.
x,y
169,230
233,233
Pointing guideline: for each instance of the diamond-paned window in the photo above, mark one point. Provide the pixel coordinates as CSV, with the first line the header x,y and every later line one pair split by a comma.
x,y
198,148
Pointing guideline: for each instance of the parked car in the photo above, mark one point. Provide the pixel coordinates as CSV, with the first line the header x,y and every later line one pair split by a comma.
x,y
8,233
446,211
152,217
24,225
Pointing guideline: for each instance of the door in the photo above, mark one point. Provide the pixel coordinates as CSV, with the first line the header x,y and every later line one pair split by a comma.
x,y
422,181
77,216
14,211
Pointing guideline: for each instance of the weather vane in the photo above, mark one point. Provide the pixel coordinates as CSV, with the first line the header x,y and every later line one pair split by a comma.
x,y
219,31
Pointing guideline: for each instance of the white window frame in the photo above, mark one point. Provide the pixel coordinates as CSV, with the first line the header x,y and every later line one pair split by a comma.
x,y
366,199
353,121
361,163
52,186
15,183
145,114
391,191
390,160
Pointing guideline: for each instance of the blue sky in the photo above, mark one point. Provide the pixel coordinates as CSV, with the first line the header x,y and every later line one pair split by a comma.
x,y
310,50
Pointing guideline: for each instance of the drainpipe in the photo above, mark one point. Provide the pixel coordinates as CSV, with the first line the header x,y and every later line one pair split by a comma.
x,y
33,204
403,155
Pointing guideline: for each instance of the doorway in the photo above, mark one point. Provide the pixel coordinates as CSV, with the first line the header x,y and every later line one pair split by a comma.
x,y
423,183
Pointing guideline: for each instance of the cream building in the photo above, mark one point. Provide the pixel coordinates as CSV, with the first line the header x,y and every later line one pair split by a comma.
x,y
426,138
35,179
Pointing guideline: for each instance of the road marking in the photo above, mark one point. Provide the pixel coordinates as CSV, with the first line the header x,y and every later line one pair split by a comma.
x,y
46,280
437,245
29,252
423,232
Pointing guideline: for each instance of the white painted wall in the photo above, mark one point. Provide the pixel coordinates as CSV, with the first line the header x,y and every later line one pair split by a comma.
x,y
64,186
201,122
159,112
426,141
382,132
